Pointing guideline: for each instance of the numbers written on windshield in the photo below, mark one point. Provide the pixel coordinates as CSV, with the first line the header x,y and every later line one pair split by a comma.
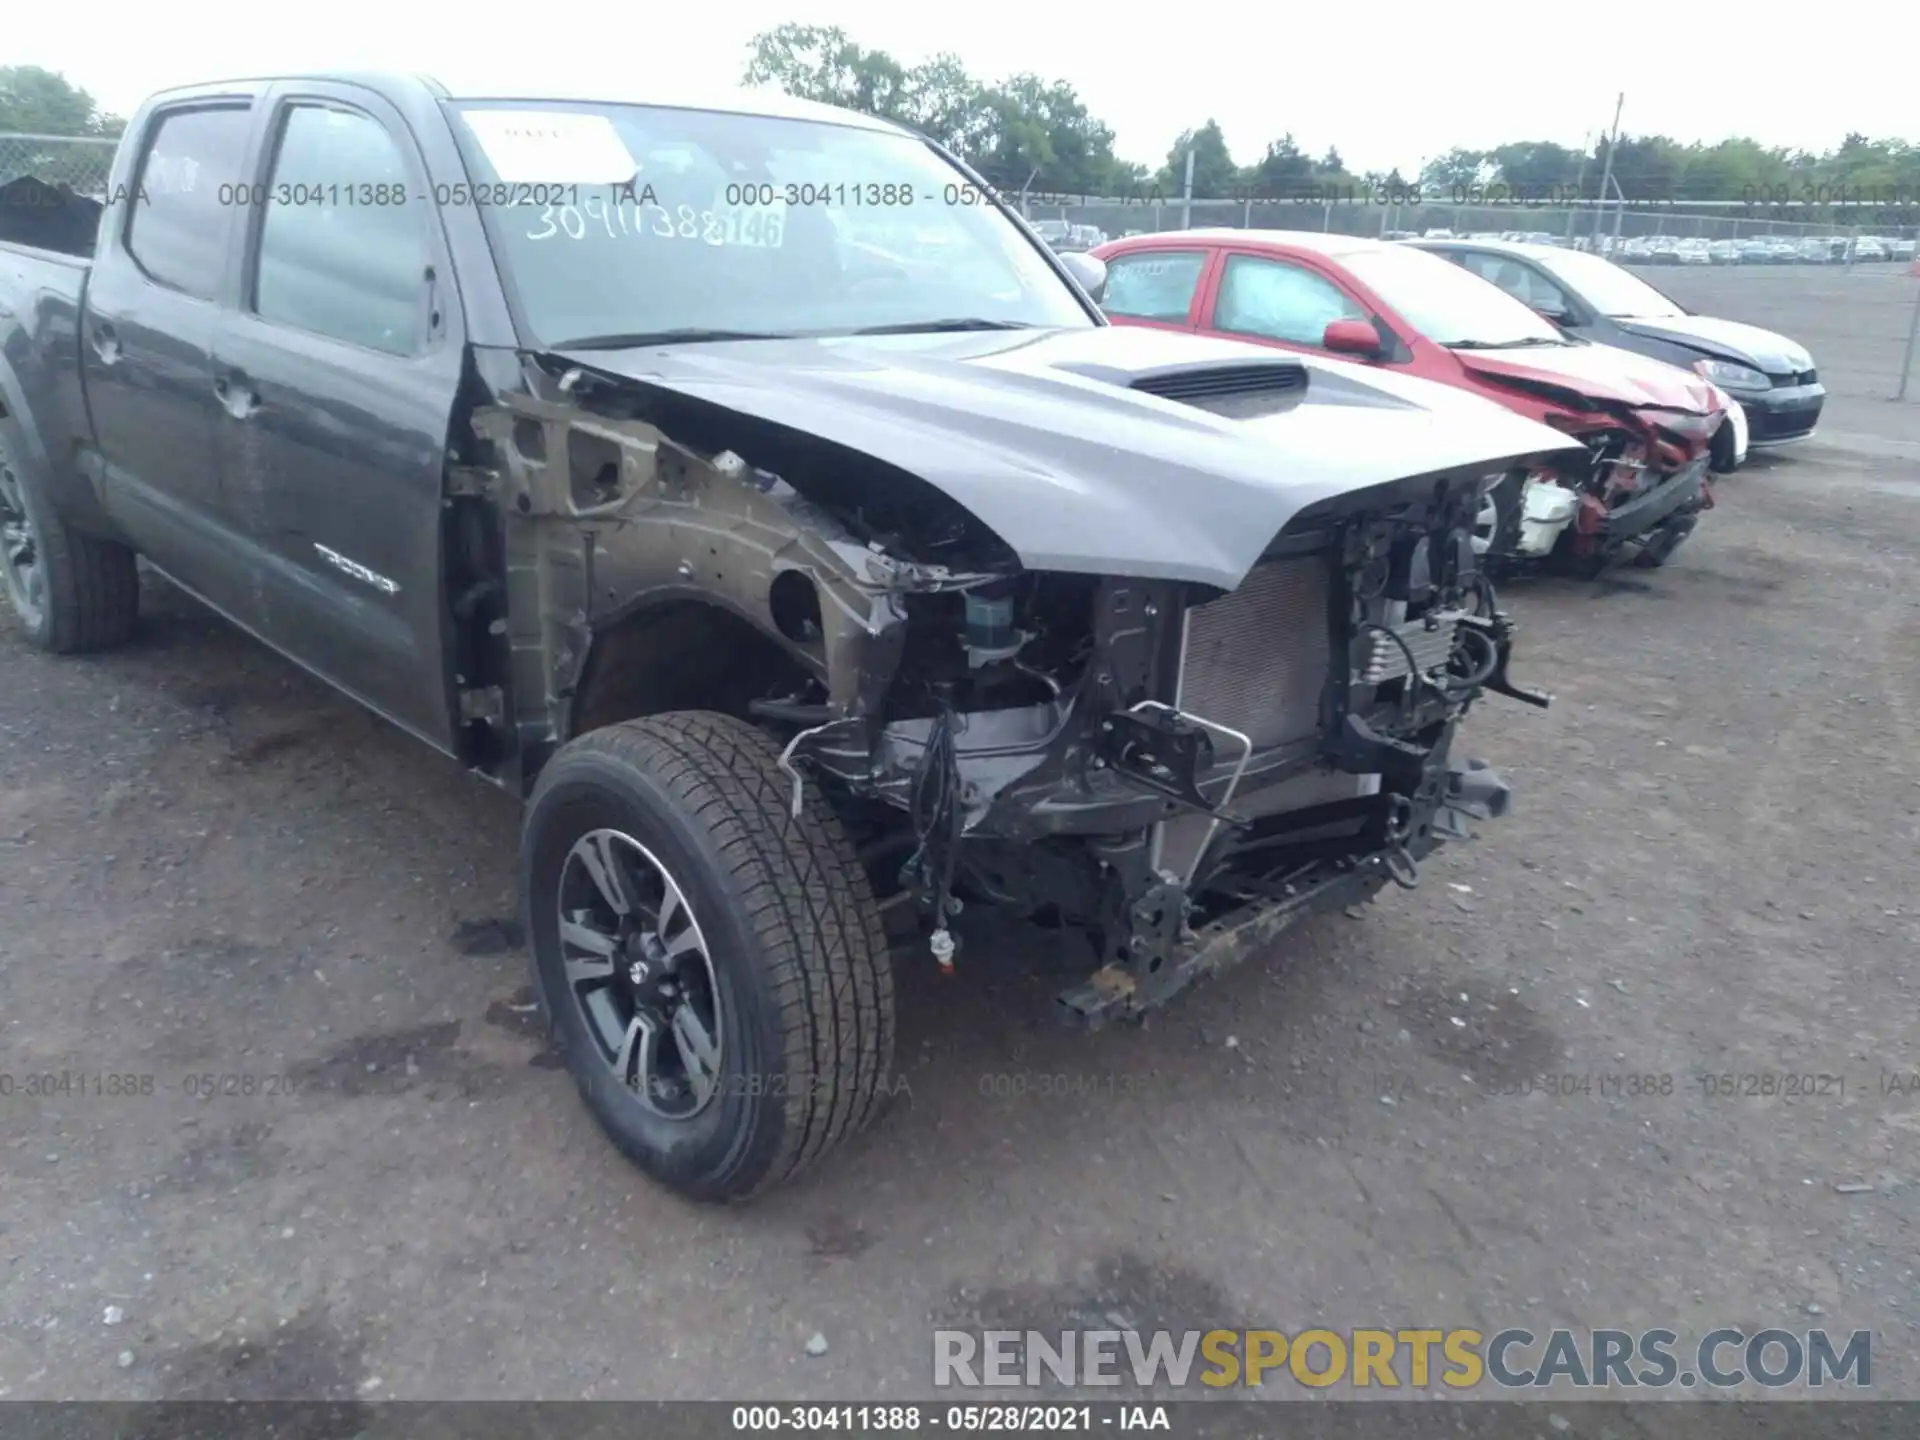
x,y
760,227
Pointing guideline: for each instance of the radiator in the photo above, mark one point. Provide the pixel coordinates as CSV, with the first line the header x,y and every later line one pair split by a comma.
x,y
1256,660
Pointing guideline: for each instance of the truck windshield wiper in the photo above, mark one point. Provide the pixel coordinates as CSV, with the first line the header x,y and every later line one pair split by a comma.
x,y
960,322
686,335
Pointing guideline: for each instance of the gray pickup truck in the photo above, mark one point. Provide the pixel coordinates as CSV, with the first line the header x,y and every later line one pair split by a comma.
x,y
752,492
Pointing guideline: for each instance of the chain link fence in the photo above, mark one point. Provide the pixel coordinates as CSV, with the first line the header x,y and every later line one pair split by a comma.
x,y
1589,226
81,163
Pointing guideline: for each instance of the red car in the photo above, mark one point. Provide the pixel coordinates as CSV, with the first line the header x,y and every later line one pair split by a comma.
x,y
1647,425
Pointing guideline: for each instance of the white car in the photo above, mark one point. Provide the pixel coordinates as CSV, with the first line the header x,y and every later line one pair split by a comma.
x,y
1737,419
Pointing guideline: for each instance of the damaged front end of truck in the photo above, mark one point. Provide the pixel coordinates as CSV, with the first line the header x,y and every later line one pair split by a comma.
x,y
1179,767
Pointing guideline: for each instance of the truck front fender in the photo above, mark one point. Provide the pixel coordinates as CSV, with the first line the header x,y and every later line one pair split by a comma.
x,y
608,520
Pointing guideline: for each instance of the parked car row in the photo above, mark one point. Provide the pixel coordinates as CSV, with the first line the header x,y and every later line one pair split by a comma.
x,y
1068,238
1530,237
1754,250
1565,338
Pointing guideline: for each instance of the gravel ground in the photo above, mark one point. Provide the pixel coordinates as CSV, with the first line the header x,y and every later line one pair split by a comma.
x,y
212,867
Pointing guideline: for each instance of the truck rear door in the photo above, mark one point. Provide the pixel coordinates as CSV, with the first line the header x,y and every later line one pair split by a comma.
x,y
337,373
153,305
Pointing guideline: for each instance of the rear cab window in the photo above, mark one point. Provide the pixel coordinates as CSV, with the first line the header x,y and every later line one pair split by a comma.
x,y
182,203
1154,284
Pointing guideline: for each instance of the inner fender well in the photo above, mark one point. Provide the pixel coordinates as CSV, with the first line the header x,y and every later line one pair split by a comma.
x,y
678,654
643,574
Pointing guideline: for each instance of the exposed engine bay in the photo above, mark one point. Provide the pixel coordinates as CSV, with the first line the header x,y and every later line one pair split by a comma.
x,y
1176,770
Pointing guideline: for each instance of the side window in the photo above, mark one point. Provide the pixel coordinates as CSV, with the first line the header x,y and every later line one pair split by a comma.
x,y
343,251
1523,282
1153,284
177,233
1278,301
1496,269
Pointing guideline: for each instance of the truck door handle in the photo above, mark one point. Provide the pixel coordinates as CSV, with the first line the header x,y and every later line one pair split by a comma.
x,y
106,344
238,397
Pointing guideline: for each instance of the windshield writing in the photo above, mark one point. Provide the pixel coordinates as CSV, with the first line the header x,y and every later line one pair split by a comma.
x,y
743,223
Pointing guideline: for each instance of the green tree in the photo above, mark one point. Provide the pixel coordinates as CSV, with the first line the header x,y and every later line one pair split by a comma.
x,y
1872,165
942,101
819,62
1645,167
1041,131
41,102
1214,173
1284,171
1737,169
1027,130
1023,130
1534,167
1456,170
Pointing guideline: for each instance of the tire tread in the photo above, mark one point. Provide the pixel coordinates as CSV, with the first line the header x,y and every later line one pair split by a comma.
x,y
102,603
806,899
91,586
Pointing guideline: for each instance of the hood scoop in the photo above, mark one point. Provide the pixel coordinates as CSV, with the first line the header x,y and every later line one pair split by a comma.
x,y
1231,389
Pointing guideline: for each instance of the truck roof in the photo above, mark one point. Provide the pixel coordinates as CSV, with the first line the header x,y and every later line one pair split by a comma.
x,y
774,104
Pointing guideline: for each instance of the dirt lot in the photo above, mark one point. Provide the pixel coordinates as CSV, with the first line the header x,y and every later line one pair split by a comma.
x,y
211,867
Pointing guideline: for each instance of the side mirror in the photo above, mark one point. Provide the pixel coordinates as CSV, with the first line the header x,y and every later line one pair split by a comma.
x,y
1352,337
1088,273
1555,314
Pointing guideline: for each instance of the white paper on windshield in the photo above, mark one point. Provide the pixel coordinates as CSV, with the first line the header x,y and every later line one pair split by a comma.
x,y
552,146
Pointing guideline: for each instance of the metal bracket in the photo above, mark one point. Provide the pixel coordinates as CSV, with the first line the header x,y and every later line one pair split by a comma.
x,y
1476,789
1164,753
1499,630
1233,783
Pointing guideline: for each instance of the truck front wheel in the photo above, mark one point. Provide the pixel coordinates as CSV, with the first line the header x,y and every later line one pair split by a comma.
x,y
714,970
72,592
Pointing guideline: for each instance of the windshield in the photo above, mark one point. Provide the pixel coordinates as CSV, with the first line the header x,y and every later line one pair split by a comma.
x,y
1606,287
629,220
1447,304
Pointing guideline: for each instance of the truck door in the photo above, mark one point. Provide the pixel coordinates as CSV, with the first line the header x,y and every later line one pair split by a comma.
x,y
153,303
337,374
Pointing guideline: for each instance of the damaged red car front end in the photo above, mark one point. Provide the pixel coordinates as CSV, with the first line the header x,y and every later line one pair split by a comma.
x,y
1643,479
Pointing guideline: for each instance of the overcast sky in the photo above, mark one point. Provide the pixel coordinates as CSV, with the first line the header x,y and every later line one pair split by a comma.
x,y
1389,84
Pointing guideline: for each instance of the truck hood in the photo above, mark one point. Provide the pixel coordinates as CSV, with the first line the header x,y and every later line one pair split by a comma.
x,y
1599,372
1724,340
1038,435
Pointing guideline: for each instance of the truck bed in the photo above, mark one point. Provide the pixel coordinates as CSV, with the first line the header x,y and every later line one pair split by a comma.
x,y
48,217
41,293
